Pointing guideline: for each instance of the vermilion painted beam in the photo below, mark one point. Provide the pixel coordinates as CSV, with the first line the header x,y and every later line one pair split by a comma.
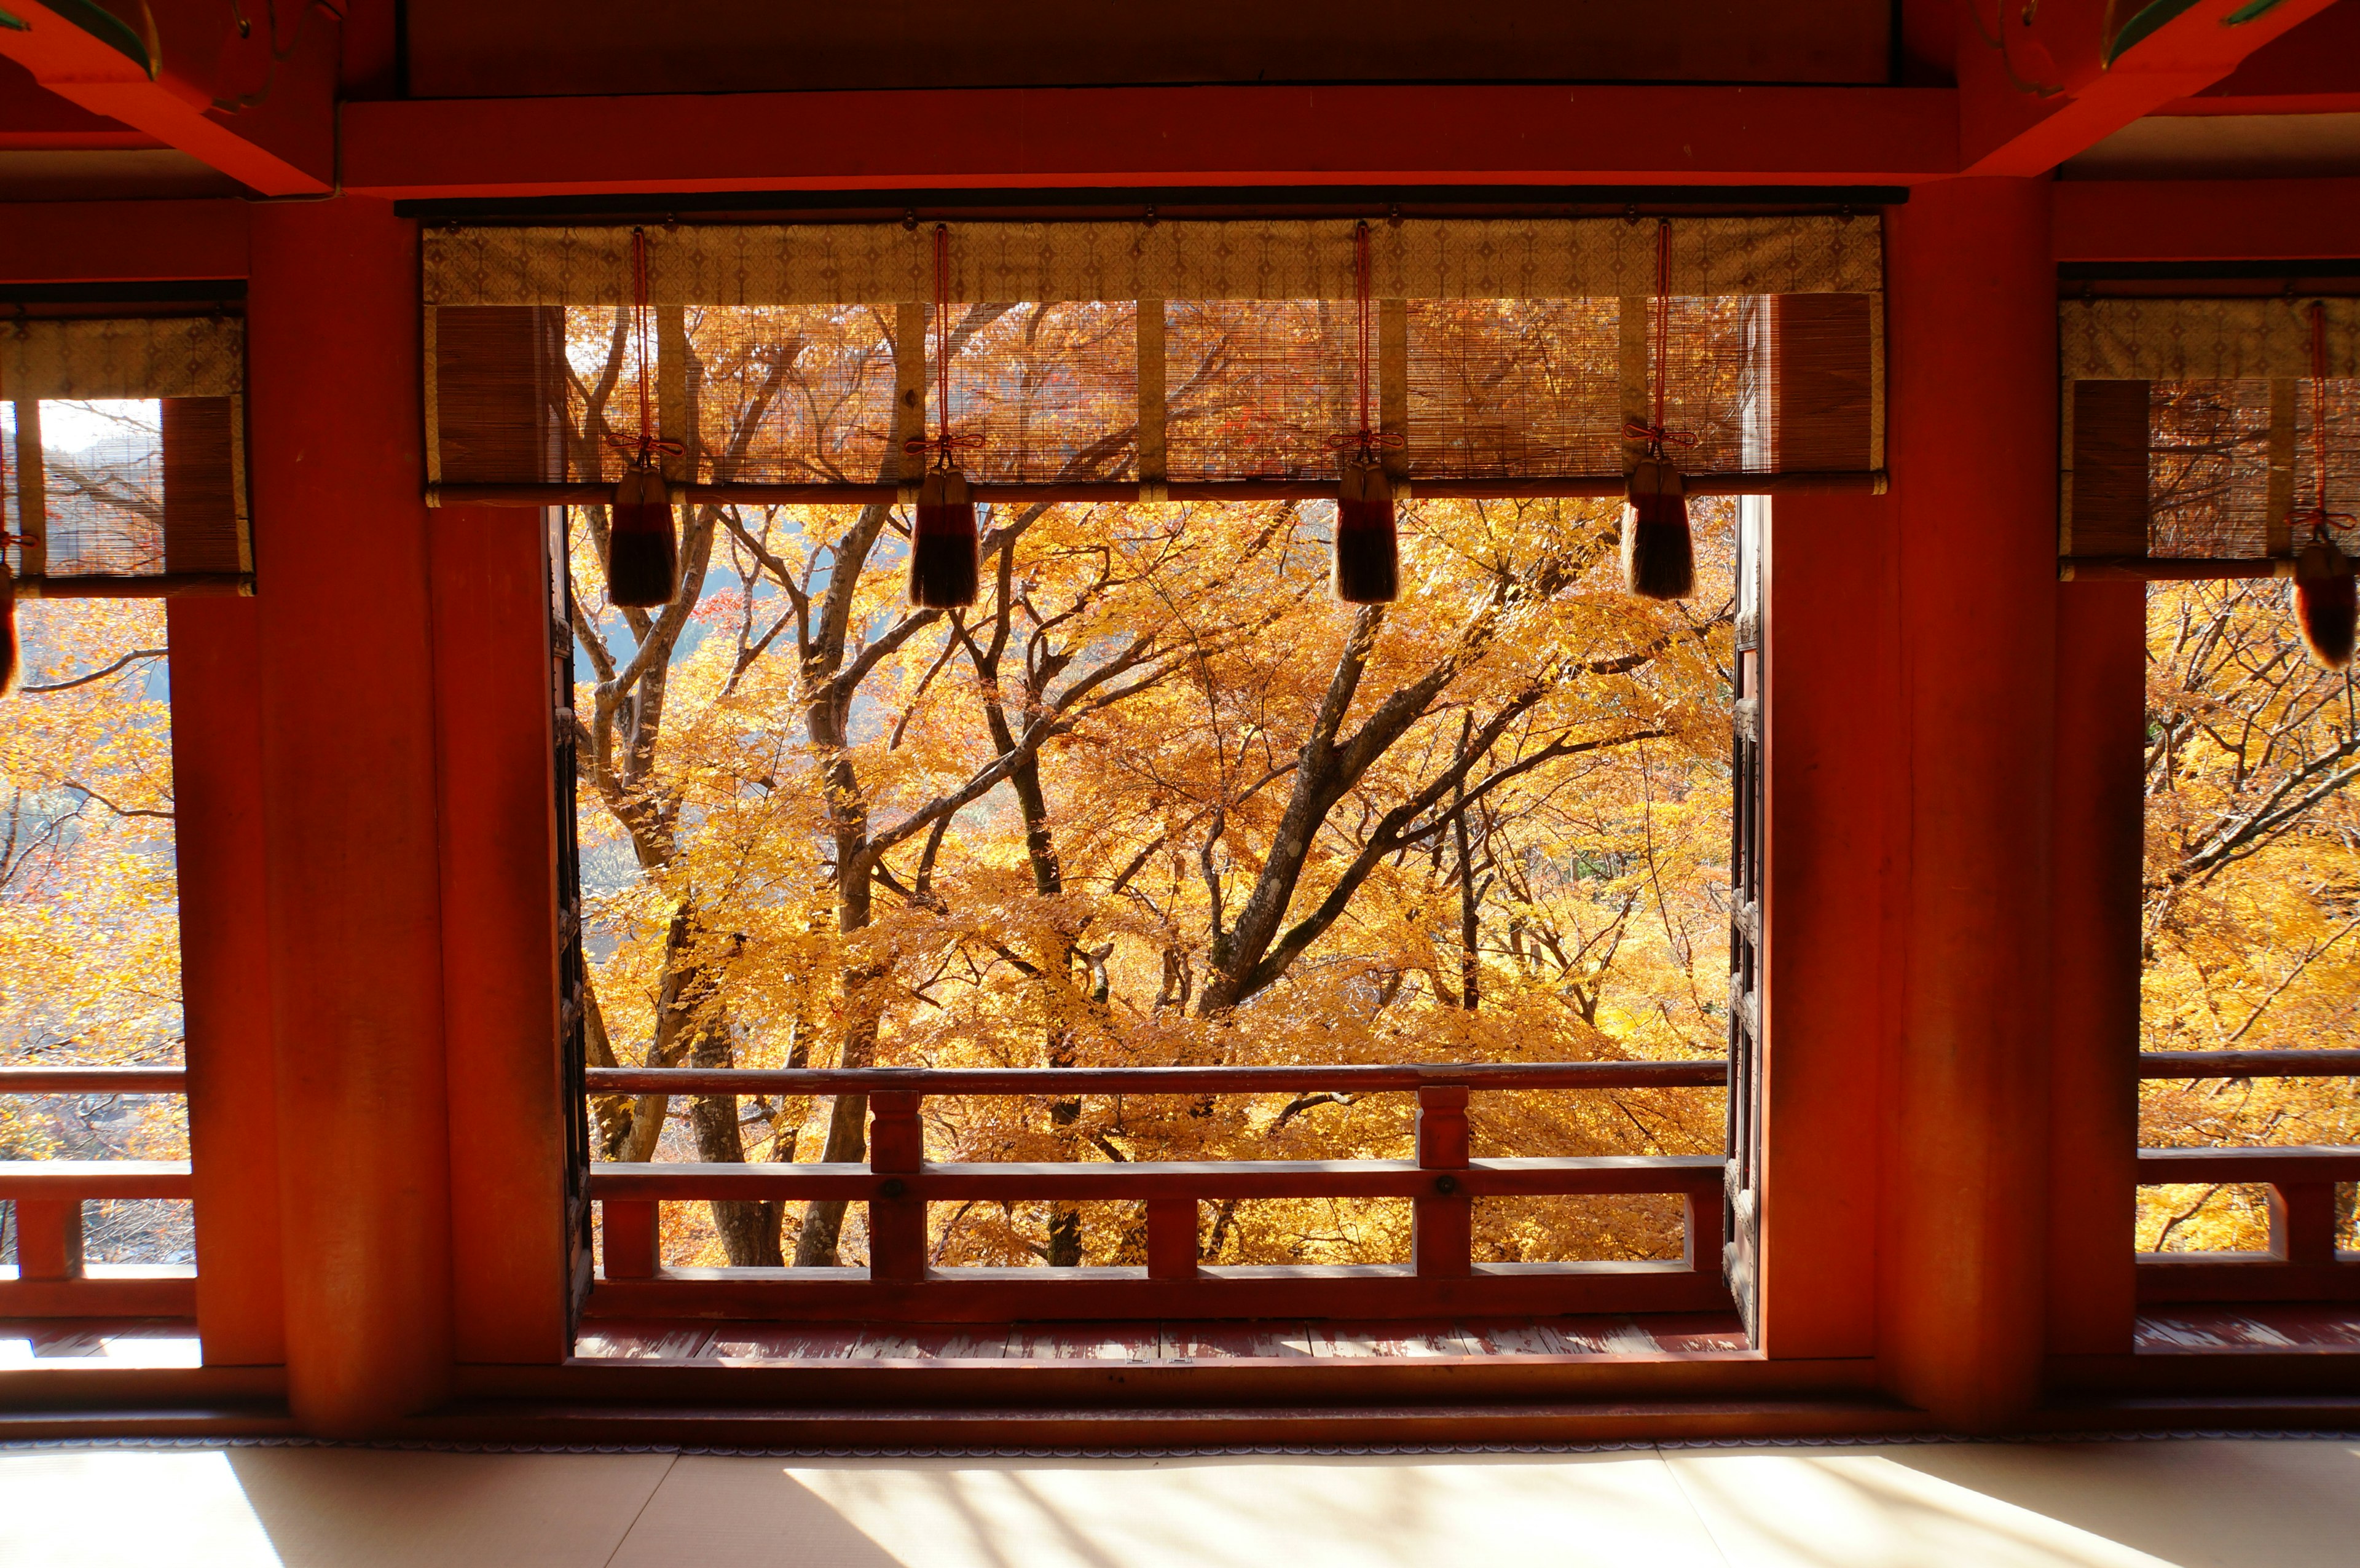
x,y
277,138
1193,136
2010,126
120,242
2206,220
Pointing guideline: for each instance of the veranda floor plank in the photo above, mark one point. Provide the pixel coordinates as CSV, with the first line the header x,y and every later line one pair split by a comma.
x,y
1086,1341
2182,1330
1389,1340
1266,1341
625,1341
949,1342
785,1342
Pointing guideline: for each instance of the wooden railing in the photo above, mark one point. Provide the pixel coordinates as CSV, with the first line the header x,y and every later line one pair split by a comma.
x,y
2303,1262
52,1277
896,1183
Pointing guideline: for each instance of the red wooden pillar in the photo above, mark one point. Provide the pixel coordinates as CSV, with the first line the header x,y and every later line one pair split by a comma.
x,y
493,711
2093,1085
1973,442
1830,645
224,978
348,818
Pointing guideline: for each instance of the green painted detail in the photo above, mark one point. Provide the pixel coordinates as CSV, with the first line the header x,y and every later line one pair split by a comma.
x,y
2143,24
112,31
15,24
2250,10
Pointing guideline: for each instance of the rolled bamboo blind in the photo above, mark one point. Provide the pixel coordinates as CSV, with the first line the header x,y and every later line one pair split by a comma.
x,y
2188,443
1110,360
138,485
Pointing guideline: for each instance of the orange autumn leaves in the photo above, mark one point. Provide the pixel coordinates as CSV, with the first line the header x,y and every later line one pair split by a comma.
x,y
89,922
1125,729
2251,917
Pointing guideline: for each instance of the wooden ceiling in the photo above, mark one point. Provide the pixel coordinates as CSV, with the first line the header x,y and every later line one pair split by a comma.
x,y
470,49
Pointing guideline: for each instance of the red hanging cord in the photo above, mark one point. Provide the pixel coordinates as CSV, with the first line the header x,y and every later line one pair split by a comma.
x,y
1655,434
644,448
2319,518
1368,439
942,443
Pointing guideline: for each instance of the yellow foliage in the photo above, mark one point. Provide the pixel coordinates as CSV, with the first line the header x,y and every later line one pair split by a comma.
x,y
2251,921
1163,669
89,957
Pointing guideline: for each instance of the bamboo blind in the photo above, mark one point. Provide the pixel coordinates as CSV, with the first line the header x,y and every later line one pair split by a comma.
x,y
2189,431
149,495
1101,360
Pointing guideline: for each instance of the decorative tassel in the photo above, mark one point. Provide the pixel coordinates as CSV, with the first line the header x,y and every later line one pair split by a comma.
x,y
642,550
2325,603
944,562
1659,557
8,655
1367,555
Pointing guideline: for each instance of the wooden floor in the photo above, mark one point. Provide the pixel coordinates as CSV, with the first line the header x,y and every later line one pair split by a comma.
x,y
2176,1331
1156,1342
2184,1504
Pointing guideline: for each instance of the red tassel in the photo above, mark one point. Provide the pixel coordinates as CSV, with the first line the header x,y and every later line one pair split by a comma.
x,y
8,655
642,550
1659,557
2326,603
1368,552
943,558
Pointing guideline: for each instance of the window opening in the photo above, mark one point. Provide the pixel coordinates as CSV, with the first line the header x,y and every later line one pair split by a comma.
x,y
1156,801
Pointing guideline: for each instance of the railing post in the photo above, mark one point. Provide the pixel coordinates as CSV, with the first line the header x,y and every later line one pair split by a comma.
x,y
1442,1226
1701,1243
49,1238
1172,1238
631,1237
897,1219
2302,1221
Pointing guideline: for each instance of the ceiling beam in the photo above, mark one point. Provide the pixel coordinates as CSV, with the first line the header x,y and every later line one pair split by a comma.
x,y
266,122
2206,220
2032,94
1073,138
122,242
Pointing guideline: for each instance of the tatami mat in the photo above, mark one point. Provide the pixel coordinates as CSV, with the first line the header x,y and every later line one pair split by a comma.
x,y
2251,1504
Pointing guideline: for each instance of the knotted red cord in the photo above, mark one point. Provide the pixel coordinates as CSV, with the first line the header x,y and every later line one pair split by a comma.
x,y
1655,434
644,447
1367,439
942,443
2319,518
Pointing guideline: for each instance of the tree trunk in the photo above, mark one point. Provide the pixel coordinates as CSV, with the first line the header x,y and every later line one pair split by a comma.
x,y
749,1228
847,1131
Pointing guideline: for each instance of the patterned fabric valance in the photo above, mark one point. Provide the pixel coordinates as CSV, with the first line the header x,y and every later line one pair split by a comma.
x,y
887,263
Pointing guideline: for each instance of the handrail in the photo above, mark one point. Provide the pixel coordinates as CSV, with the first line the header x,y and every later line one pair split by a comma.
x,y
94,1080
1707,1072
2321,1064
1710,1072
1143,1180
